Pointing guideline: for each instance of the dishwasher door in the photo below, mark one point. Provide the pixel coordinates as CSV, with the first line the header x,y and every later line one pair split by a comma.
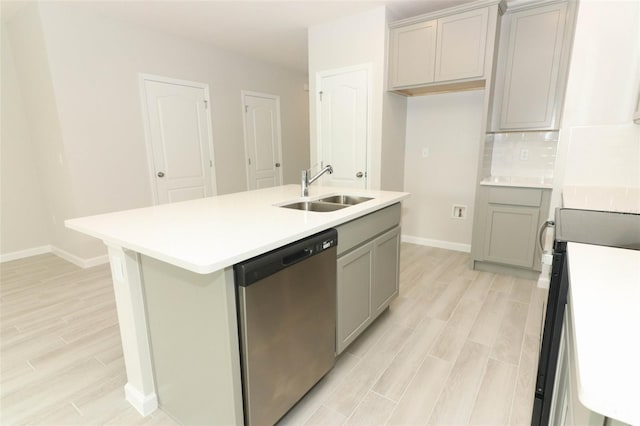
x,y
287,314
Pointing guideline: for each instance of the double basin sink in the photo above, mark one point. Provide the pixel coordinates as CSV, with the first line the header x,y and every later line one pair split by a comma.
x,y
328,204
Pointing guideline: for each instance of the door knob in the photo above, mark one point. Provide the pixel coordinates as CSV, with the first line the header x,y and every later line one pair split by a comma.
x,y
160,174
359,175
277,164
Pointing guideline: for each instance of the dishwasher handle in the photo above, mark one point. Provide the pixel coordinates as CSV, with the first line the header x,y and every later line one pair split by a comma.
x,y
296,257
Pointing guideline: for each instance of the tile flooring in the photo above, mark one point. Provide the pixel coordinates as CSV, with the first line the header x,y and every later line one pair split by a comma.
x,y
456,347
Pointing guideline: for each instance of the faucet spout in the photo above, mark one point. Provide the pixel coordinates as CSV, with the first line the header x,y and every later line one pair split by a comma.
x,y
306,180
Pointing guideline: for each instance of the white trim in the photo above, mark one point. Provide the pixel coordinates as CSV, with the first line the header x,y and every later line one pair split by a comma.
x,y
79,261
72,258
144,404
276,98
466,248
368,67
142,77
21,254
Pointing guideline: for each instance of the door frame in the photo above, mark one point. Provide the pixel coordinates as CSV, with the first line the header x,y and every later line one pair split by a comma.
x,y
142,78
276,98
318,86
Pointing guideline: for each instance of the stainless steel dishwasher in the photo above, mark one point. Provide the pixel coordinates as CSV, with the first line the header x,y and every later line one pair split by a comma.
x,y
287,319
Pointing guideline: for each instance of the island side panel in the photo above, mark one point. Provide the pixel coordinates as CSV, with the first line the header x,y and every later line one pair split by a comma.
x,y
193,334
127,285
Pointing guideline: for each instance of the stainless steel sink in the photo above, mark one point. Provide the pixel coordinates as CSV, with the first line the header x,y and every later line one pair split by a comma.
x,y
349,200
315,206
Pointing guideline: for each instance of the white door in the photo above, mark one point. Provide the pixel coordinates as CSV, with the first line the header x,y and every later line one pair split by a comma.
x,y
178,139
343,123
263,148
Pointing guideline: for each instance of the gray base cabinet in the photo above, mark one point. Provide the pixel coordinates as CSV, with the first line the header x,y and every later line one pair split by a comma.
x,y
506,226
511,233
368,272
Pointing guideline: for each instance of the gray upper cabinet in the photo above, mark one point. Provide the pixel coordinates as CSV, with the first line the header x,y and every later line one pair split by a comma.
x,y
461,44
413,54
532,67
444,49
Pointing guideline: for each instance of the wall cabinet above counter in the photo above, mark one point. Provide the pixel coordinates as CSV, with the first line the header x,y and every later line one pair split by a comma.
x,y
444,51
533,63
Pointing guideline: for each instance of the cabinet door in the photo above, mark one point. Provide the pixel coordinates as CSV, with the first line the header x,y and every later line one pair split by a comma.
x,y
386,267
412,54
511,234
461,43
355,272
532,85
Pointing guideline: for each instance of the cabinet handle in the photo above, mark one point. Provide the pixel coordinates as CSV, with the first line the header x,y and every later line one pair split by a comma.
x,y
160,174
359,175
541,233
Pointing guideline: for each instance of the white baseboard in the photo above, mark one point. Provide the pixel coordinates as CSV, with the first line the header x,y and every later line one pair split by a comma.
x,y
21,254
437,243
78,261
145,404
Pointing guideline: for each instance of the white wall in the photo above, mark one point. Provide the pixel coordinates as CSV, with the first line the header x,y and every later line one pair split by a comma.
x,y
449,126
90,65
354,40
599,145
24,222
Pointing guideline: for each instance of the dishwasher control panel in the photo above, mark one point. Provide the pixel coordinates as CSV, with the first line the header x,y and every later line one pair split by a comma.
x,y
259,267
326,244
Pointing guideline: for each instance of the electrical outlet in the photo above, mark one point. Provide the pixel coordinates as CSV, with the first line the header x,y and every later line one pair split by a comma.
x,y
459,212
524,154
425,152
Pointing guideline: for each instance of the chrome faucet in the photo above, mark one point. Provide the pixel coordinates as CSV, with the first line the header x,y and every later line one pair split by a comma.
x,y
306,180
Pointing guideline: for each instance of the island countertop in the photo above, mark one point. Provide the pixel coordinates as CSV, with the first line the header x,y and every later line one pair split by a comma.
x,y
604,297
209,234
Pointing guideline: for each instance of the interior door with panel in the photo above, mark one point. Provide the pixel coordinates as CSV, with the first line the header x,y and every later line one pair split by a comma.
x,y
179,139
263,146
343,126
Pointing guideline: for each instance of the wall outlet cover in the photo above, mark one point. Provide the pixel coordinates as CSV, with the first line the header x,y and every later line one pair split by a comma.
x,y
459,212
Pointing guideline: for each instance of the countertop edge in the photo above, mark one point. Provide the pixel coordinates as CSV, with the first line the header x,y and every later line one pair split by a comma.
x,y
254,251
590,394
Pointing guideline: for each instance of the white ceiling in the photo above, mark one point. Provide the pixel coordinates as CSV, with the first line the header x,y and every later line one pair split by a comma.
x,y
274,31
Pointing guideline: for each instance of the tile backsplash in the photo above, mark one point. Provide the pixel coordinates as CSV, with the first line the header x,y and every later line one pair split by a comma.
x,y
521,154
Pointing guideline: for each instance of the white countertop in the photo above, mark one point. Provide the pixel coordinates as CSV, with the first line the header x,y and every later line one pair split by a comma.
x,y
210,234
521,182
615,199
604,303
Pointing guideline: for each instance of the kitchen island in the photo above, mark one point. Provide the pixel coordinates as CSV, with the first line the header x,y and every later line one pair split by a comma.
x,y
188,250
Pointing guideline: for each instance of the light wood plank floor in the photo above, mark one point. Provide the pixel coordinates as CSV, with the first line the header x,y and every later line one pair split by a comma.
x,y
457,347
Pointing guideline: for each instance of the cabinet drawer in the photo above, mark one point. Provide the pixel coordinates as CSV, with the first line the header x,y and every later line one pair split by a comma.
x,y
516,196
360,230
